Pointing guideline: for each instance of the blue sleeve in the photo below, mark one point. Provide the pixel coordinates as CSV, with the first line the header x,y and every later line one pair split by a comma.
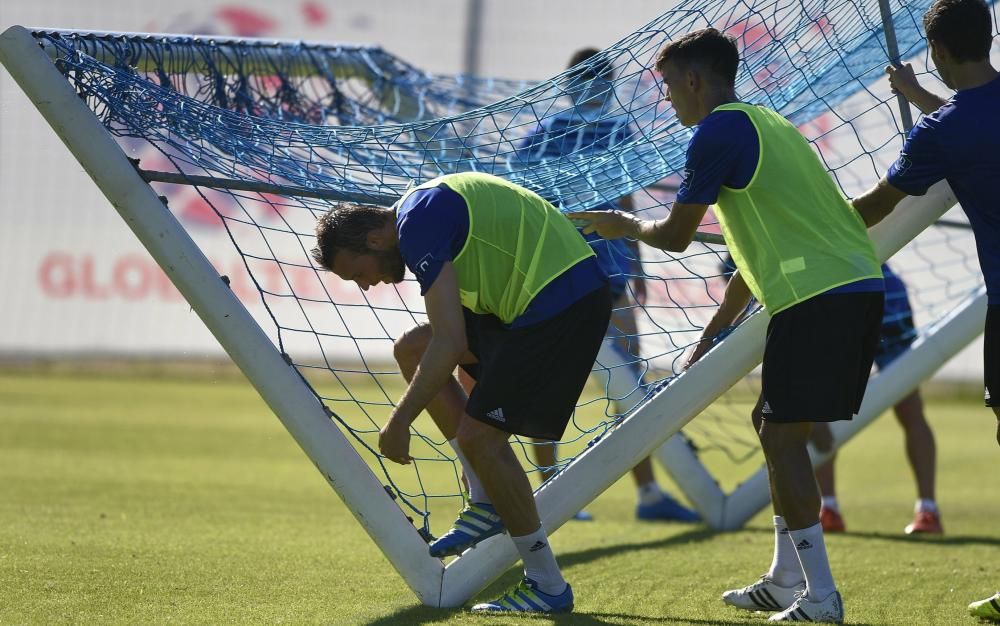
x,y
724,151
921,163
432,225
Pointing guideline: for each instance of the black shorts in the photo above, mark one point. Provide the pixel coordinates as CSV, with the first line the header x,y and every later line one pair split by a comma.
x,y
818,356
991,355
529,379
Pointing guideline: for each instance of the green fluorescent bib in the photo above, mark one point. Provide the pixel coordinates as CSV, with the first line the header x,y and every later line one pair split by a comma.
x,y
518,243
790,231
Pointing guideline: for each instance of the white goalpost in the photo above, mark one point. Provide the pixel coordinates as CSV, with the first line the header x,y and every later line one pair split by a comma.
x,y
277,382
651,427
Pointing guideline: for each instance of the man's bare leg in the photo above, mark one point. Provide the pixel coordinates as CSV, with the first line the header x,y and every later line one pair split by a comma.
x,y
507,485
795,489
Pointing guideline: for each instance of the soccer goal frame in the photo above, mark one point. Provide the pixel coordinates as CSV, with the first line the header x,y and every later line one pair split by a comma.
x,y
647,427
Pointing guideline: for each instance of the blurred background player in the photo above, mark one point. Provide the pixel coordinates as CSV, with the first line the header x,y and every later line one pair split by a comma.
x,y
898,335
588,128
957,141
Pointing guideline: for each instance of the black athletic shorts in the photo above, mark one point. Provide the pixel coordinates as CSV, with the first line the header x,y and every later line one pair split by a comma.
x,y
818,355
529,379
991,355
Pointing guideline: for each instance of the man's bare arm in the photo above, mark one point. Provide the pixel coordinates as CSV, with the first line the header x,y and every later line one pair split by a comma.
x,y
672,233
445,350
904,81
734,302
877,202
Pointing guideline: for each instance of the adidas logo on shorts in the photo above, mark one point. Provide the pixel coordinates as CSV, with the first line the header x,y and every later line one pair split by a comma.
x,y
496,414
766,409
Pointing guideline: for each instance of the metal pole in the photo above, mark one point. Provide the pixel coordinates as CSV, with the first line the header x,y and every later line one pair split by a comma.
x,y
256,186
893,47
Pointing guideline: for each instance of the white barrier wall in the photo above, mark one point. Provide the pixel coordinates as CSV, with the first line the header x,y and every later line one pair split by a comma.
x,y
76,280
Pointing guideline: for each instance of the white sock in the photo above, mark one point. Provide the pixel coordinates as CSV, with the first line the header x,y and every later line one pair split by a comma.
x,y
830,502
650,493
539,562
925,504
811,550
476,491
785,568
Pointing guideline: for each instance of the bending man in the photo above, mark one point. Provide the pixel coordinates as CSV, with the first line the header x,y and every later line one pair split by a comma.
x,y
516,297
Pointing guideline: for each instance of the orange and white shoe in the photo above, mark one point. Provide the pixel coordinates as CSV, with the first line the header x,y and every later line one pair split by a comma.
x,y
831,521
925,522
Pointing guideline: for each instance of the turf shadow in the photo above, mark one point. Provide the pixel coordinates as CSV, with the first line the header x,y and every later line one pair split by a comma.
x,y
930,540
697,534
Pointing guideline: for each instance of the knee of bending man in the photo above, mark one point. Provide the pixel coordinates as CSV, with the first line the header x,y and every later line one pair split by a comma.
x,y
409,348
476,439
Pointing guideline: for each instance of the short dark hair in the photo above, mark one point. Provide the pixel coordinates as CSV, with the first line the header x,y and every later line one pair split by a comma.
x,y
598,69
962,26
346,227
709,48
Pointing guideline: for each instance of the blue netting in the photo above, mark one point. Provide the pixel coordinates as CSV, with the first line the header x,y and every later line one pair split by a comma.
x,y
360,123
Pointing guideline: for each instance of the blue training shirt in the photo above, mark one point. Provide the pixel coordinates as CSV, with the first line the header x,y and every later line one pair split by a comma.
x,y
433,224
724,152
960,142
587,130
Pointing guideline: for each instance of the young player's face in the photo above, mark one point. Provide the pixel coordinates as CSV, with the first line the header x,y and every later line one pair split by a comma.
x,y
677,91
370,268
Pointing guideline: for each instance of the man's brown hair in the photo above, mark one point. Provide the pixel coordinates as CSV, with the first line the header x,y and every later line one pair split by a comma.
x,y
707,48
346,227
963,27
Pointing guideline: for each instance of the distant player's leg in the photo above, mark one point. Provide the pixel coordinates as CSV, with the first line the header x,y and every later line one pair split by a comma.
x,y
546,456
621,374
778,588
921,452
829,511
898,334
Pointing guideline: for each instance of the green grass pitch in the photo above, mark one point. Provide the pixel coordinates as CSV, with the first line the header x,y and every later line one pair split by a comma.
x,y
138,500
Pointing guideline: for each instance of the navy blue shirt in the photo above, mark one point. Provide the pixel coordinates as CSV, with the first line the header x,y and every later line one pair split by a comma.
x,y
587,130
960,142
724,152
433,225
